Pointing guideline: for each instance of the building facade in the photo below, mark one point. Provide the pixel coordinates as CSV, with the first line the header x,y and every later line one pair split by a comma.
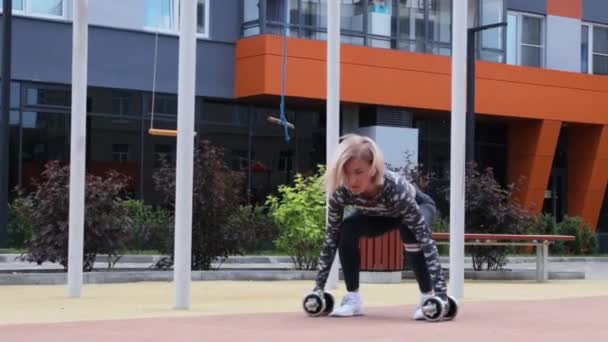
x,y
541,89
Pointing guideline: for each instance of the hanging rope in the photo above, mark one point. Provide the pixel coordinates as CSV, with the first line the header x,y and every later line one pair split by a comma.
x,y
282,106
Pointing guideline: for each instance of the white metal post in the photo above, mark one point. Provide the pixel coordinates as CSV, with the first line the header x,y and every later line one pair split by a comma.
x,y
457,147
185,153
78,139
333,103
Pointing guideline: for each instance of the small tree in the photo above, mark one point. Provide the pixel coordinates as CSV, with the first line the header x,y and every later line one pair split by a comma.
x,y
299,210
216,195
492,209
489,208
105,224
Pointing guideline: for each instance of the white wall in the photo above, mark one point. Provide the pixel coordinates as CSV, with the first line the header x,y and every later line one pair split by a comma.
x,y
125,14
563,48
394,142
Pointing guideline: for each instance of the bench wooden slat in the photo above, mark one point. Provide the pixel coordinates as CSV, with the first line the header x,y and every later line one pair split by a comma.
x,y
505,237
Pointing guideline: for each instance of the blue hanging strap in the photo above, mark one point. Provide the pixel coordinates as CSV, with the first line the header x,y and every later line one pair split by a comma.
x,y
282,106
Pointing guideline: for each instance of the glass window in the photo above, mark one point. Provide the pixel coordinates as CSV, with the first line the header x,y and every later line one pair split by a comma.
x,y
379,23
251,10
15,95
314,16
411,25
159,14
17,5
531,30
45,137
525,39
531,41
440,26
351,21
584,48
115,144
251,17
275,16
512,39
530,56
491,13
39,96
13,118
117,102
594,49
600,39
202,17
46,7
154,148
600,64
165,104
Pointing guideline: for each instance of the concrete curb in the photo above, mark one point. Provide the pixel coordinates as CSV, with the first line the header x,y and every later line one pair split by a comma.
x,y
140,276
280,259
113,277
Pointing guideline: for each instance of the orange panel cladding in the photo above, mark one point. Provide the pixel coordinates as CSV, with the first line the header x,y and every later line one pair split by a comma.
x,y
565,8
587,170
531,149
405,79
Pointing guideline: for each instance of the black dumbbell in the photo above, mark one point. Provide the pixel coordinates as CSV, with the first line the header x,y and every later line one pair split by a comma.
x,y
315,304
436,309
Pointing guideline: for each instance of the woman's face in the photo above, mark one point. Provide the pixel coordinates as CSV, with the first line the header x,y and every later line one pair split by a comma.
x,y
358,177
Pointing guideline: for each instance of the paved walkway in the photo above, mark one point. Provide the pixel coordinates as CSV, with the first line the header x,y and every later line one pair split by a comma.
x,y
271,311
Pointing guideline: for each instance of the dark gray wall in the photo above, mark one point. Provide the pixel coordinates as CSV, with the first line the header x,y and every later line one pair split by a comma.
x,y
595,11
124,59
533,6
225,17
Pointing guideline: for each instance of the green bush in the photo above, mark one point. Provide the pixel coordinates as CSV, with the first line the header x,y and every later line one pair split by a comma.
x,y
148,224
299,210
585,242
216,195
19,222
106,223
441,225
260,228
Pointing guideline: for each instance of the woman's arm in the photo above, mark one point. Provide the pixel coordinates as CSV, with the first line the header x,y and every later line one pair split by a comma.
x,y
335,214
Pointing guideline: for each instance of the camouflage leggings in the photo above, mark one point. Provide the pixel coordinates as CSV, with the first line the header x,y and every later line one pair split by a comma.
x,y
421,250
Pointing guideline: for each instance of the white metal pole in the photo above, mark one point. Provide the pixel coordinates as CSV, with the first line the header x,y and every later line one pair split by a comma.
x,y
78,139
333,103
457,147
185,153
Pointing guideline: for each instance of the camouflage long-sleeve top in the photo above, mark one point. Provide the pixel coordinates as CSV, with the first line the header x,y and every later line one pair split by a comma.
x,y
397,198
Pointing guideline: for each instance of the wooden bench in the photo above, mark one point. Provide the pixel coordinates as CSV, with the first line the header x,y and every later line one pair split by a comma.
x,y
540,241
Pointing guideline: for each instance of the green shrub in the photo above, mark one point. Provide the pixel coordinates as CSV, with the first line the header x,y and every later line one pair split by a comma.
x,y
148,224
299,210
585,242
260,229
19,222
441,225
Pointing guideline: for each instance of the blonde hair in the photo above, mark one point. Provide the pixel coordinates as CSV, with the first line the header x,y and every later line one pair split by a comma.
x,y
358,147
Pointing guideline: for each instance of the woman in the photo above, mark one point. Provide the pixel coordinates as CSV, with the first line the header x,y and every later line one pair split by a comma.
x,y
383,201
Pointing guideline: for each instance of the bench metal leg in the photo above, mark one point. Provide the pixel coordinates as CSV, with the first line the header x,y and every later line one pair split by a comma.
x,y
542,256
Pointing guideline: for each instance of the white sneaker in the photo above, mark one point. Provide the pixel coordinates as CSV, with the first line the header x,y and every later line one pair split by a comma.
x,y
418,315
350,306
